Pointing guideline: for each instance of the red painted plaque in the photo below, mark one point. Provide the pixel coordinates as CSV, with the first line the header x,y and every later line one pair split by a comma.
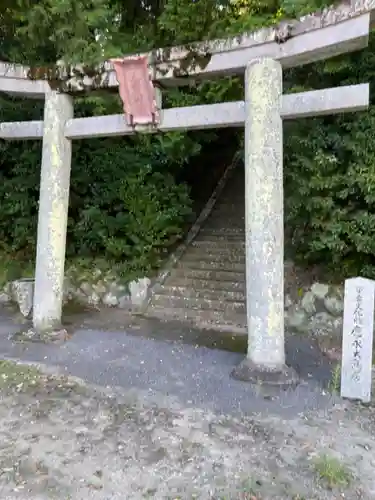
x,y
136,90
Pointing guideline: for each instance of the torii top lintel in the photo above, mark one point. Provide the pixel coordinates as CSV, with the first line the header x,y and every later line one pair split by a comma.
x,y
351,20
330,32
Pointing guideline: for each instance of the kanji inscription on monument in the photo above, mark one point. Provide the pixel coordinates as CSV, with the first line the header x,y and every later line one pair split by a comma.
x,y
356,369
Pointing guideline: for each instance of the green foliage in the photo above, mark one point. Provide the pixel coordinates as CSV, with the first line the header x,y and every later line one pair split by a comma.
x,y
126,205
19,179
331,471
44,31
134,217
330,174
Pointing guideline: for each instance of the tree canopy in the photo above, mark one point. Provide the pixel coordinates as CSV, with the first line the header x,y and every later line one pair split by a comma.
x,y
90,30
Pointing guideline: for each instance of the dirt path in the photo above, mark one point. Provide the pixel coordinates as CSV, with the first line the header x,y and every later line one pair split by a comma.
x,y
62,439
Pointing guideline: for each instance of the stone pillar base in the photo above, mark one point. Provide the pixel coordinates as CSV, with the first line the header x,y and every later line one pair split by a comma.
x,y
248,371
56,336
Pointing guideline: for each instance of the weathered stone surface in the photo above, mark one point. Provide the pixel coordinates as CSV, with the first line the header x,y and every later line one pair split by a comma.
x,y
308,303
320,290
334,305
247,371
138,291
68,290
57,336
116,287
80,296
296,318
7,288
124,302
93,299
100,288
86,288
23,293
319,312
108,291
324,324
4,298
357,345
53,212
96,273
287,302
110,299
264,209
220,307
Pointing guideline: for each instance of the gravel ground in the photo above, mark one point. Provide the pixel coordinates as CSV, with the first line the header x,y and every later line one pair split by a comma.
x,y
63,439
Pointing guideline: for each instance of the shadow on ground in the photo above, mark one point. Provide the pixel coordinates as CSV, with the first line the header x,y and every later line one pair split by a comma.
x,y
111,348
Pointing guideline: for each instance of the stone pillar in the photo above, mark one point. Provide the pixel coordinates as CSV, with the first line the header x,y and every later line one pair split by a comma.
x,y
53,214
264,222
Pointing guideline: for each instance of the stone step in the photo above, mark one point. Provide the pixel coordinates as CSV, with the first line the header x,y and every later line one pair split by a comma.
x,y
202,284
224,224
222,234
201,293
212,265
207,287
208,246
208,274
234,191
234,214
223,230
229,203
211,244
216,254
200,304
210,320
226,218
229,230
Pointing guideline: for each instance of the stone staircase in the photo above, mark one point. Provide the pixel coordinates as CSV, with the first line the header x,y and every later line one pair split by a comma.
x,y
206,286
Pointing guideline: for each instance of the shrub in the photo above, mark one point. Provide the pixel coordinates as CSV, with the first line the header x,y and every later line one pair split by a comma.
x,y
330,174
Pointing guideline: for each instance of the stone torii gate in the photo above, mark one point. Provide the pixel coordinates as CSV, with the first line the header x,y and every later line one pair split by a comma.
x,y
262,55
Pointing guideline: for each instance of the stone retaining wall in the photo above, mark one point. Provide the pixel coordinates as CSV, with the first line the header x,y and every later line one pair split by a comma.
x,y
317,311
95,289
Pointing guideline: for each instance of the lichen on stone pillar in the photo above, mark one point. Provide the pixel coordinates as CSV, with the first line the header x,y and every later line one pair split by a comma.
x,y
264,220
53,213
